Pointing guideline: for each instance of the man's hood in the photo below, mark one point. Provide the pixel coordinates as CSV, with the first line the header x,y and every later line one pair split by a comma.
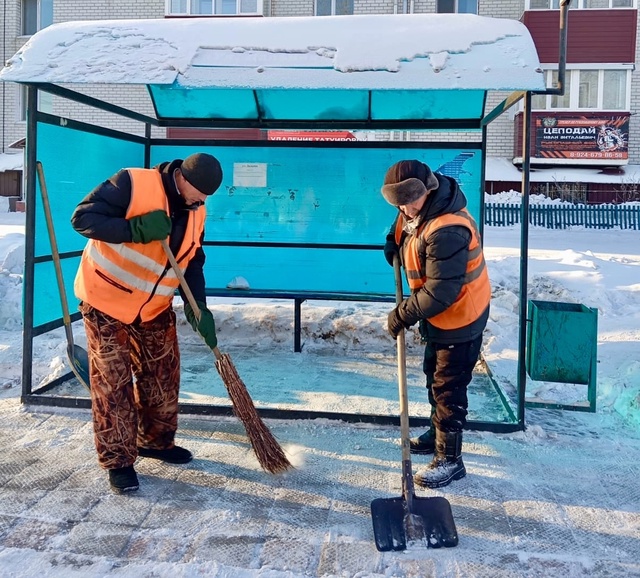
x,y
447,198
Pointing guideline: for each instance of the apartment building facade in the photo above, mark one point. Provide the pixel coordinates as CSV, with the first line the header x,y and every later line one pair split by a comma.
x,y
585,144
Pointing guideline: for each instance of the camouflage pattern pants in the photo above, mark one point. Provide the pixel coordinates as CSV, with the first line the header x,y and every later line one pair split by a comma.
x,y
129,413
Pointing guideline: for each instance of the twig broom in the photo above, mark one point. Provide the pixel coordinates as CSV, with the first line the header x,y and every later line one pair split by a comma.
x,y
267,449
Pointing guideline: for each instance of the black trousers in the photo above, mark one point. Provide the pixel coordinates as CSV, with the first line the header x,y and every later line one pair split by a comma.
x,y
449,368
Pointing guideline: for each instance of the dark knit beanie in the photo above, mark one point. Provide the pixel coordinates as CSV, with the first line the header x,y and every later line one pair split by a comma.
x,y
406,181
202,171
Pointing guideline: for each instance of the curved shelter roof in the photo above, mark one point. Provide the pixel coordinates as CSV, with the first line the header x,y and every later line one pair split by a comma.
x,y
281,71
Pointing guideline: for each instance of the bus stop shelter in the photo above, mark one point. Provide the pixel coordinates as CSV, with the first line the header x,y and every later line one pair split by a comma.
x,y
428,74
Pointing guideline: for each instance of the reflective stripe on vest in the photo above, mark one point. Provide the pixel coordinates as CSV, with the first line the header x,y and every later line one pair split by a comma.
x,y
476,290
125,280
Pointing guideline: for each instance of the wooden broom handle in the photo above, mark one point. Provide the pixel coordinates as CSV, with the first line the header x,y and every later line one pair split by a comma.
x,y
185,288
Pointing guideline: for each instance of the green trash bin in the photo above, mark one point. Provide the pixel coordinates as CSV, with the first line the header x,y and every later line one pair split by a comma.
x,y
562,343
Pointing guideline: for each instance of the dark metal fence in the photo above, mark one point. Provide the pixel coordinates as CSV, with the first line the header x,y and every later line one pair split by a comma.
x,y
565,215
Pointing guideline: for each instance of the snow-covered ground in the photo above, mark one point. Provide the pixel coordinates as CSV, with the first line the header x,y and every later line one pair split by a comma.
x,y
597,268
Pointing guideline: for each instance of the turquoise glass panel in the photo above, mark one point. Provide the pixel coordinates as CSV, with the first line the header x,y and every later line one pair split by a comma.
x,y
301,269
198,103
314,104
74,162
274,104
307,194
426,104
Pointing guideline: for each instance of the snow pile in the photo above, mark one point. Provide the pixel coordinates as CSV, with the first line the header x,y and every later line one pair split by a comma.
x,y
515,198
11,269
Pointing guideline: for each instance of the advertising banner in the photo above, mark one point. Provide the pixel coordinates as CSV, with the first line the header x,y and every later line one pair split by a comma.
x,y
310,135
581,137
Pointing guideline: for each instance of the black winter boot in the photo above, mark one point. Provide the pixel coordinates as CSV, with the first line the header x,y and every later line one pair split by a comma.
x,y
174,455
123,480
447,463
425,443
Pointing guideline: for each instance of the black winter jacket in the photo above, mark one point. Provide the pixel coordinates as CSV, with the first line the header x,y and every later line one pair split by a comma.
x,y
444,261
101,216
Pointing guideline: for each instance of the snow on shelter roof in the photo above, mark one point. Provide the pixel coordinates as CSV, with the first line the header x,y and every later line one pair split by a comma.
x,y
398,52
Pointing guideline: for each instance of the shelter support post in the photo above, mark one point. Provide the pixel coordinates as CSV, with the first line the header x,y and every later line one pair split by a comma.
x,y
297,324
29,246
524,256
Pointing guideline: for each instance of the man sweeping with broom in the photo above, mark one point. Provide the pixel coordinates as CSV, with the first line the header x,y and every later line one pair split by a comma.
x,y
126,288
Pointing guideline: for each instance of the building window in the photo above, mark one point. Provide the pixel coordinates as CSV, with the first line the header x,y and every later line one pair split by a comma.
x,y
587,90
334,7
560,101
213,7
459,6
588,4
45,102
543,4
36,15
614,93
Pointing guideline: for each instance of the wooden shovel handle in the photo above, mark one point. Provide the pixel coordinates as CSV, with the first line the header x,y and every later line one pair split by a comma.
x,y
185,287
402,368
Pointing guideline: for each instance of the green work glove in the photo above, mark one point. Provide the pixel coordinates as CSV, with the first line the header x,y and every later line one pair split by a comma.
x,y
206,326
153,226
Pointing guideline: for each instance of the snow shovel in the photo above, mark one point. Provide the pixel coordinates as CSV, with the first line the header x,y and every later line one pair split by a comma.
x,y
78,358
408,519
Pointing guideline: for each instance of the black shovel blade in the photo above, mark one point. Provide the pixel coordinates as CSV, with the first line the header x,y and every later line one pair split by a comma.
x,y
79,360
390,517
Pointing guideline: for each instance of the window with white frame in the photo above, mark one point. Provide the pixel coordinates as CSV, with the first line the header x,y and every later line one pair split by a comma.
x,y
587,4
213,7
334,7
45,102
36,15
589,89
459,6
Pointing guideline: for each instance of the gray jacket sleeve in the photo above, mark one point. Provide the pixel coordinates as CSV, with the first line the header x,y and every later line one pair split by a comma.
x,y
447,253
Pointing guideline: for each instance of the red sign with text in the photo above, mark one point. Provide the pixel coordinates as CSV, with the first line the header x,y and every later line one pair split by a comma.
x,y
310,135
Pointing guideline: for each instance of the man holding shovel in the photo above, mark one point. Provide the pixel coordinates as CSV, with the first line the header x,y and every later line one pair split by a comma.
x,y
126,287
440,250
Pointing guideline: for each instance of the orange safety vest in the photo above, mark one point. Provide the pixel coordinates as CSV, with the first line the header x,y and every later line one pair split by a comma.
x,y
475,294
125,280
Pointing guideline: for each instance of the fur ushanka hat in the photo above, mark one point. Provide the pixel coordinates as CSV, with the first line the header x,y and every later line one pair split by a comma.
x,y
406,181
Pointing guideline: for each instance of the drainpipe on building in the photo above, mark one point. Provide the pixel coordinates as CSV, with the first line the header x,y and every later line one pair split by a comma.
x,y
4,60
404,133
562,56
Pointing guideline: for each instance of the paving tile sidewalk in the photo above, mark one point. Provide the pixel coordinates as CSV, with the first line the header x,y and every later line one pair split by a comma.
x,y
560,500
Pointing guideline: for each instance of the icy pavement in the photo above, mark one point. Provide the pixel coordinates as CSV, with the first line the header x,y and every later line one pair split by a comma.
x,y
559,500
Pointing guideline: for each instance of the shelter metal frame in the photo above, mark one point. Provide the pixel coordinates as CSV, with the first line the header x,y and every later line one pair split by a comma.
x,y
41,395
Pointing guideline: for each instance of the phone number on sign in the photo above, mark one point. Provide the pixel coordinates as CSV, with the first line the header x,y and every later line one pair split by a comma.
x,y
594,155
